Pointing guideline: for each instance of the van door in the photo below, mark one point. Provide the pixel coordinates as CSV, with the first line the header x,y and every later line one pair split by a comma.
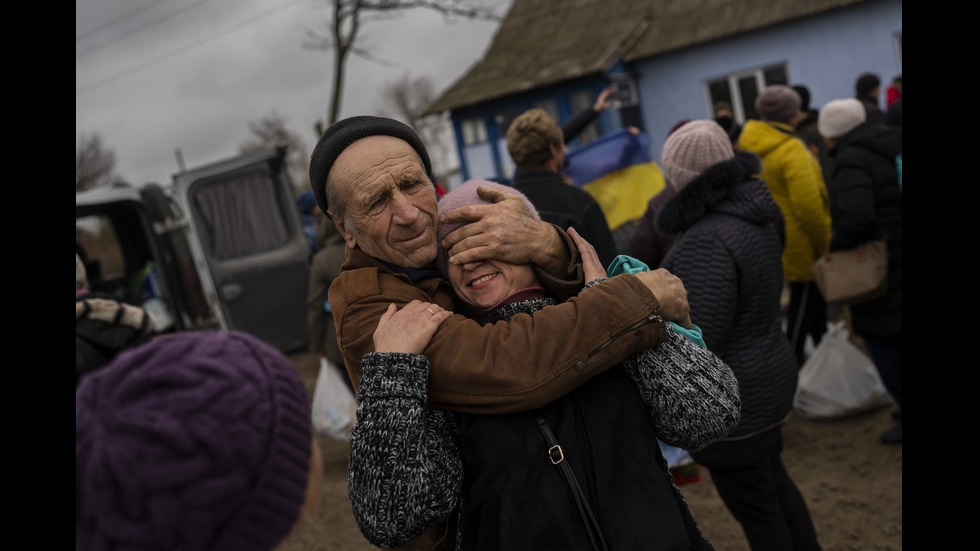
x,y
250,240
135,249
174,262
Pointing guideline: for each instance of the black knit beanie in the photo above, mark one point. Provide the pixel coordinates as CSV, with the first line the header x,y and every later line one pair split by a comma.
x,y
341,134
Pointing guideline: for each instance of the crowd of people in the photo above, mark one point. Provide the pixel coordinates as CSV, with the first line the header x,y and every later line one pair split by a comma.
x,y
499,352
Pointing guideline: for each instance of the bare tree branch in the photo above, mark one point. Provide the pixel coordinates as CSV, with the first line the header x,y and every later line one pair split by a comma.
x,y
348,18
271,131
371,57
407,99
94,164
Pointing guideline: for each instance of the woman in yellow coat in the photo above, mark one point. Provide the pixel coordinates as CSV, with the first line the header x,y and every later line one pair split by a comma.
x,y
793,177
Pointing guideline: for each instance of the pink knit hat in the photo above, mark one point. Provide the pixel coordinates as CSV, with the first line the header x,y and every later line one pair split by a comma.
x,y
692,148
461,196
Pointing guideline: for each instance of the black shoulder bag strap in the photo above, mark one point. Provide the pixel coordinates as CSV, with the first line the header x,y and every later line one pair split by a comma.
x,y
557,457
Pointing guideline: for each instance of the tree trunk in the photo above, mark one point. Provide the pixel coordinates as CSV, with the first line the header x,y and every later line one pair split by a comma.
x,y
338,85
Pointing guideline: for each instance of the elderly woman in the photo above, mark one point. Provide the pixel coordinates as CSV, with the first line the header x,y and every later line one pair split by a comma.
x,y
728,253
583,472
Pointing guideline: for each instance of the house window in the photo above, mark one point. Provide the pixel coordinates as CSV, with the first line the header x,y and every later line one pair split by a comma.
x,y
474,131
740,89
504,119
549,107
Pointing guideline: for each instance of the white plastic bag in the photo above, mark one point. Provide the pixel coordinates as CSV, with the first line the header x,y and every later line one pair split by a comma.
x,y
334,407
838,379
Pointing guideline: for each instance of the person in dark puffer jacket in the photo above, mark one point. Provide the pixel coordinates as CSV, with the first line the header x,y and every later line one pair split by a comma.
x,y
728,253
408,460
865,205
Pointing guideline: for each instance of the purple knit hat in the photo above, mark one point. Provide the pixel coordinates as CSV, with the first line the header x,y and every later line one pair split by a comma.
x,y
195,441
461,196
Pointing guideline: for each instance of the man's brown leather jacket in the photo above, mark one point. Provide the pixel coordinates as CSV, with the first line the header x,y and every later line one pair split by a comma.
x,y
502,367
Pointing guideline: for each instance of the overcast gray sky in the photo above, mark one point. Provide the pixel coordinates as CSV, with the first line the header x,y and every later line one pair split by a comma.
x,y
152,76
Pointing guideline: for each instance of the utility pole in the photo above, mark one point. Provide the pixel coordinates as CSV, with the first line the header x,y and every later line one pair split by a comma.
x,y
180,160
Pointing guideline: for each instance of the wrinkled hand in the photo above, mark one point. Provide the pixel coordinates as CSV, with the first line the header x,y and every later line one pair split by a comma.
x,y
591,266
409,329
505,230
670,291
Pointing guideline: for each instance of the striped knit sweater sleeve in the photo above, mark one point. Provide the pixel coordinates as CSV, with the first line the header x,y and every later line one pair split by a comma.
x,y
405,474
693,396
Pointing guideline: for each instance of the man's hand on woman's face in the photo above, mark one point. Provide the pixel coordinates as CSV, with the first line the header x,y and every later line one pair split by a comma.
x,y
505,230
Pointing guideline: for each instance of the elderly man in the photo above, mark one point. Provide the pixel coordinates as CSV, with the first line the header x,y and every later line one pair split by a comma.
x,y
372,176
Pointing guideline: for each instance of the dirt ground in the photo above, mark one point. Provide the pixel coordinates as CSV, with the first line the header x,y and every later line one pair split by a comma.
x,y
851,482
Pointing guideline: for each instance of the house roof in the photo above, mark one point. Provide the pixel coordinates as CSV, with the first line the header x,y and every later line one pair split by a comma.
x,y
544,42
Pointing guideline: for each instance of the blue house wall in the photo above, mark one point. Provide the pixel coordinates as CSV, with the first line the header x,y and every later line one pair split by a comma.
x,y
826,52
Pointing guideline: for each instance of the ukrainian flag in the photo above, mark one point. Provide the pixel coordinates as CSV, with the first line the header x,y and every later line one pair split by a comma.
x,y
619,172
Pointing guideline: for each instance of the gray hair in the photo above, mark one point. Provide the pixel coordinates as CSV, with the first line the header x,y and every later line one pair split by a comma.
x,y
337,208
